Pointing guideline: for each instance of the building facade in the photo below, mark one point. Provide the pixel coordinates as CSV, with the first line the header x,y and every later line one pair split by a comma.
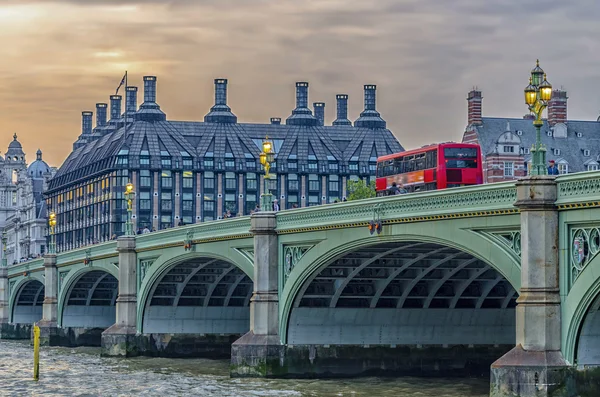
x,y
22,206
189,171
506,142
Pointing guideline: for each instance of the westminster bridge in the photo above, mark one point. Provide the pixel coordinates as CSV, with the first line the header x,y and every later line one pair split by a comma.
x,y
427,283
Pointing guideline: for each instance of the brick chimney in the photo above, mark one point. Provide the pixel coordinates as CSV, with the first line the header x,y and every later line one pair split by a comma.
x,y
320,112
474,108
557,107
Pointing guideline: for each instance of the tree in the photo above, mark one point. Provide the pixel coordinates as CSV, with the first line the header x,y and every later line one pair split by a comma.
x,y
358,190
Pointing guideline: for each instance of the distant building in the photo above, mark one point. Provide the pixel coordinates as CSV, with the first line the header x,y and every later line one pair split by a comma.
x,y
191,171
506,142
22,207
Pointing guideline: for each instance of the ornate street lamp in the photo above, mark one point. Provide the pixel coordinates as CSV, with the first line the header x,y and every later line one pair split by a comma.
x,y
267,156
129,195
52,225
537,95
4,248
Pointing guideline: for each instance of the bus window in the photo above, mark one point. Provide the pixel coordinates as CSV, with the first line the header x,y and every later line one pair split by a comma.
x,y
461,163
460,153
409,164
431,159
420,161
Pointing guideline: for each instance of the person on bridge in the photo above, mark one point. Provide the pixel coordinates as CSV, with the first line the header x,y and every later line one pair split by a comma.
x,y
275,205
552,169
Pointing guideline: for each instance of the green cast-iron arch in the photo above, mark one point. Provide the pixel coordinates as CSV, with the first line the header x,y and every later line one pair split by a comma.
x,y
71,279
165,262
574,307
37,276
324,253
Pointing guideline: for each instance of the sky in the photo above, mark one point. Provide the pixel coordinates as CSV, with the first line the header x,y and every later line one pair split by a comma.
x,y
58,58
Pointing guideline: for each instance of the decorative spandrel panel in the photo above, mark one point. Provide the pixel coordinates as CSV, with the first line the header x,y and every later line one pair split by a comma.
x,y
584,245
291,256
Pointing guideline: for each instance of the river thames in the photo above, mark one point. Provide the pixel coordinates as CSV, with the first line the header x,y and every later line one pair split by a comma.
x,y
82,372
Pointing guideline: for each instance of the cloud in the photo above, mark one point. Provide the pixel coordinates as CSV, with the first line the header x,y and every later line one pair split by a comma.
x,y
64,56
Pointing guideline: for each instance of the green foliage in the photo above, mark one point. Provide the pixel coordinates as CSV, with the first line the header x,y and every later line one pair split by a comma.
x,y
358,190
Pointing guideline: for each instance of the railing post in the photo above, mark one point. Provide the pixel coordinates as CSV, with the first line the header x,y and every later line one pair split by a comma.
x,y
258,352
49,322
120,338
4,296
535,367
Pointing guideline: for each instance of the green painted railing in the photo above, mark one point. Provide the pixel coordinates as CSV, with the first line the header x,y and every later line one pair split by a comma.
x,y
491,197
582,187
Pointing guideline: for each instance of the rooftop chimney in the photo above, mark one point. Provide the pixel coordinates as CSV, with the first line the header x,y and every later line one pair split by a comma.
x,y
342,110
370,117
131,101
474,100
115,108
557,107
320,112
302,115
86,122
275,120
101,114
220,112
149,110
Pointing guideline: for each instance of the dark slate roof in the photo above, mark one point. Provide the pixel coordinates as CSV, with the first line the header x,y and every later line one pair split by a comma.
x,y
571,148
224,140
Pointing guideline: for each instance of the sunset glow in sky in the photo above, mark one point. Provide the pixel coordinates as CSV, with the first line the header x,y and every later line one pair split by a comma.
x,y
61,57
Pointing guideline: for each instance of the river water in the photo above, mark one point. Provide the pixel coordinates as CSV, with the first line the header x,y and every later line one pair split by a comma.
x,y
82,372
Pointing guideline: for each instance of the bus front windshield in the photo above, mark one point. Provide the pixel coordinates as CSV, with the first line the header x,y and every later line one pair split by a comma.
x,y
460,157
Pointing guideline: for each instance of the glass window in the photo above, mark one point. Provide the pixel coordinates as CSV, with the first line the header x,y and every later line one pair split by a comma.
x,y
251,181
460,152
209,180
292,165
509,168
314,184
229,164
188,179
509,149
166,179
312,165
165,162
188,163
250,202
353,166
209,163
563,168
333,167
293,183
230,181
592,167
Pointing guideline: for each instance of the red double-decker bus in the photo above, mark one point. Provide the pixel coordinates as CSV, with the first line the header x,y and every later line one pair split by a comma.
x,y
431,167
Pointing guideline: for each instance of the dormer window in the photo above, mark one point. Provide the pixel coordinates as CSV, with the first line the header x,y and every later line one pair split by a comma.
x,y
556,152
525,150
549,133
509,149
586,152
579,135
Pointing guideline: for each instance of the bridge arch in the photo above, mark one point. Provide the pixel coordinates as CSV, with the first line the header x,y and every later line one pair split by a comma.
x,y
420,274
196,293
581,317
88,298
27,300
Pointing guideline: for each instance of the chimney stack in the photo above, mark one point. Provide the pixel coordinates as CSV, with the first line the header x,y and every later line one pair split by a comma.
x,y
276,120
557,107
101,114
370,117
220,91
220,112
474,100
301,94
131,93
319,112
115,107
149,88
342,110
86,122
149,111
302,115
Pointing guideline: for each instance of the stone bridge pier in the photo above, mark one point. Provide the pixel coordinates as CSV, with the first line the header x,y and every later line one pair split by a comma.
x,y
536,366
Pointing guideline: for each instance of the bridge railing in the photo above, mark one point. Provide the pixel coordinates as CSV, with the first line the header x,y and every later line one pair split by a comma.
x,y
491,198
224,229
575,190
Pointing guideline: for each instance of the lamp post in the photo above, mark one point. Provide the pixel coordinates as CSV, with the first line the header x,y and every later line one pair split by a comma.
x,y
52,225
129,194
537,95
267,156
4,248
